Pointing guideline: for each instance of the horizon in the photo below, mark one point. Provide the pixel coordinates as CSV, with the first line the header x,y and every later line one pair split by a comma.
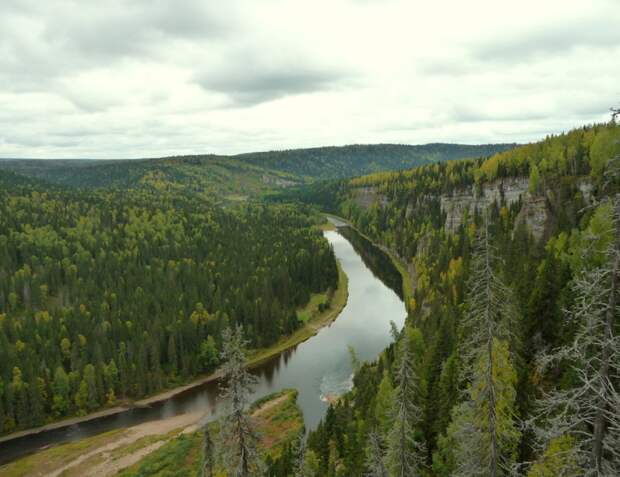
x,y
267,151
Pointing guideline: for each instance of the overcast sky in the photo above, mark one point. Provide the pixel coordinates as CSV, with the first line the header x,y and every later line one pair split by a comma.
x,y
138,78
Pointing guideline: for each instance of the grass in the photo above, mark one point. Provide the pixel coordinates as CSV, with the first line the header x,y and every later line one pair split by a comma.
x,y
327,226
407,278
311,310
56,457
337,301
278,420
179,457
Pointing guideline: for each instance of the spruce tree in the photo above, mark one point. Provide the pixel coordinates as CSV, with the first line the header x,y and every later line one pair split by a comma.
x,y
404,453
484,426
238,440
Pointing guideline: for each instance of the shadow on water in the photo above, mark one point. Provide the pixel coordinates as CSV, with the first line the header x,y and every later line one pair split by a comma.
x,y
379,263
317,368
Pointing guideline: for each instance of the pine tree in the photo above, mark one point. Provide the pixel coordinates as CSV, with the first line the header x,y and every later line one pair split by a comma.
x,y
238,440
404,455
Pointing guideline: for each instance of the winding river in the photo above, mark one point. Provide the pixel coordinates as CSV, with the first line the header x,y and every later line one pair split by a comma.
x,y
318,368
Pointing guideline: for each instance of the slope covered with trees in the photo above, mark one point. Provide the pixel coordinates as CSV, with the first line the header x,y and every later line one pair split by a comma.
x,y
243,175
109,295
348,161
513,323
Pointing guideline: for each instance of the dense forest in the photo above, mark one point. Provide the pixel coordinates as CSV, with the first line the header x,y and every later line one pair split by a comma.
x,y
509,362
107,295
232,178
348,161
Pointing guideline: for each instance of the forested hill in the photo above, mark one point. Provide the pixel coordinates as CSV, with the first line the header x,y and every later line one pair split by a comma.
x,y
356,160
509,359
236,177
112,295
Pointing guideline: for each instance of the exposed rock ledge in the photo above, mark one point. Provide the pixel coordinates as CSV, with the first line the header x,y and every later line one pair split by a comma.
x,y
534,212
364,197
464,199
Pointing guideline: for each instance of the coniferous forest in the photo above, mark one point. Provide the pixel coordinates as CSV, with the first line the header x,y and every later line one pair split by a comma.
x,y
108,295
508,363
309,239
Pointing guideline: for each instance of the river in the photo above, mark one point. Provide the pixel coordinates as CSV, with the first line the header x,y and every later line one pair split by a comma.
x,y
317,368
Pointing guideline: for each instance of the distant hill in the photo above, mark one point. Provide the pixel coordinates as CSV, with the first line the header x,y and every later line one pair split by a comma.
x,y
355,160
242,175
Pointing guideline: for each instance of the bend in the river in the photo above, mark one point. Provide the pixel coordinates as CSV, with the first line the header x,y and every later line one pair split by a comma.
x,y
319,367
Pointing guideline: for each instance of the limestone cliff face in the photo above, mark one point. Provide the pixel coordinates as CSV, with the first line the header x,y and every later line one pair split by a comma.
x,y
535,209
454,206
364,197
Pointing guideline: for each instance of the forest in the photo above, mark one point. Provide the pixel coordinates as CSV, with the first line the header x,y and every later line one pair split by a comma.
x,y
509,362
110,295
243,175
510,359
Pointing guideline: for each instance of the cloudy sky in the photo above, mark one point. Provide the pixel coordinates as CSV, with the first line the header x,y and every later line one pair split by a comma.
x,y
138,78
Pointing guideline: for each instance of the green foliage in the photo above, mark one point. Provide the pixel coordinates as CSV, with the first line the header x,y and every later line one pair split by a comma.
x,y
111,295
403,212
558,459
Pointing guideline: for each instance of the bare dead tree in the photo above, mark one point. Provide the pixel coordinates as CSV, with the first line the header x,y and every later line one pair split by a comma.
x,y
590,411
375,456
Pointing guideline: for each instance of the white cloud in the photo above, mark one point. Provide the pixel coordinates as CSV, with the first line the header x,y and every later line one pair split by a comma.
x,y
150,78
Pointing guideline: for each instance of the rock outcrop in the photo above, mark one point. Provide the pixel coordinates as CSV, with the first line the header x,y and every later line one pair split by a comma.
x,y
455,205
364,197
535,211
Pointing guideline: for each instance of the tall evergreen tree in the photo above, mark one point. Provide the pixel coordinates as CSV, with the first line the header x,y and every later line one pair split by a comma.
x,y
405,453
487,367
238,439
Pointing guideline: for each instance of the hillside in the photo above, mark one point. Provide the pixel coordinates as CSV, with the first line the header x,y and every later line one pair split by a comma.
x,y
546,211
355,160
244,175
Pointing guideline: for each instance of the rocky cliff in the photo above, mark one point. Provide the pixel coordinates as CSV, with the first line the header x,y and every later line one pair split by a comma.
x,y
535,211
468,199
364,197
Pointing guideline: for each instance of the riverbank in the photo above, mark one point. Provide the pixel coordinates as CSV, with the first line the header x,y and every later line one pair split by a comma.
x,y
405,270
131,450
338,299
